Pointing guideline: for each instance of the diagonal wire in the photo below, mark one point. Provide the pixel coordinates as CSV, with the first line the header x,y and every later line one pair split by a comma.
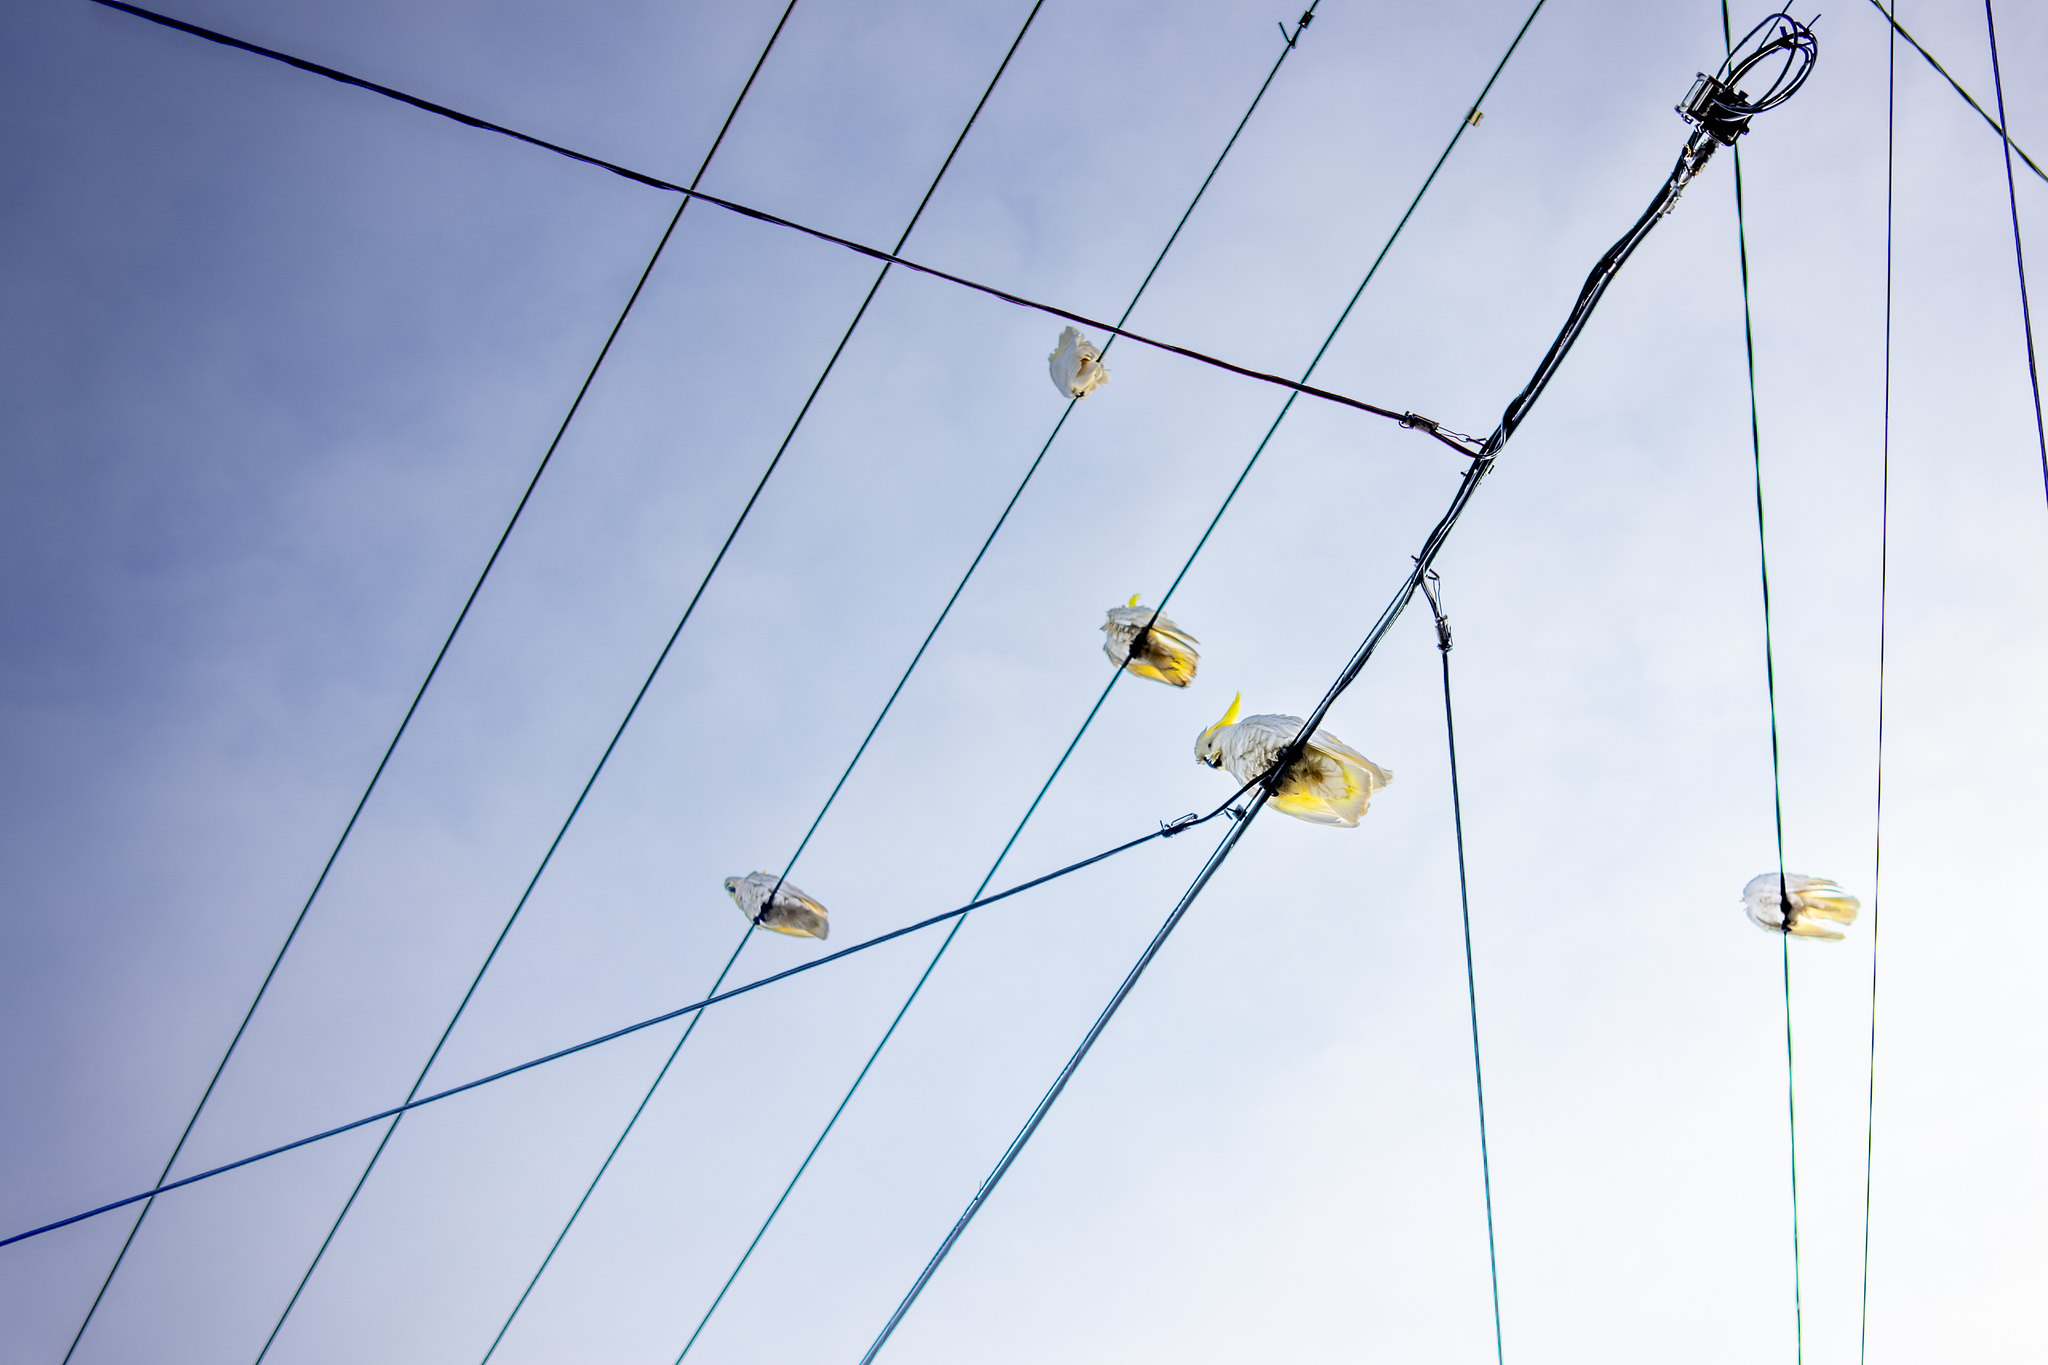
x,y
1167,829
419,695
1771,692
1413,421
1434,591
652,673
1997,124
1884,541
2019,255
917,987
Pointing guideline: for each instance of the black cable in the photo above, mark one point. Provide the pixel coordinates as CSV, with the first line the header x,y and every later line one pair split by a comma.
x,y
1997,124
661,659
1689,163
1167,830
2019,254
433,669
1433,592
1412,420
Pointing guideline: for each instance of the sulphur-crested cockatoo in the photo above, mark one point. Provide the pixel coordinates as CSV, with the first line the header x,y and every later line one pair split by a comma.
x,y
1168,653
1077,365
782,908
1810,898
1330,784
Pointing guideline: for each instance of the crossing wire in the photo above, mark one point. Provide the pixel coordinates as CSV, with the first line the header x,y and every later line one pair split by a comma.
x,y
2019,255
1997,124
887,706
1434,593
1467,485
1780,32
433,670
717,560
1884,541
1771,692
1414,421
1167,830
1093,711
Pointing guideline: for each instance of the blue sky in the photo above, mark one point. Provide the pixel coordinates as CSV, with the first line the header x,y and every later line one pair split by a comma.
x,y
284,355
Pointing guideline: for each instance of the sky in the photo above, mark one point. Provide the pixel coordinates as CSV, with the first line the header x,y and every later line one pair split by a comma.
x,y
284,356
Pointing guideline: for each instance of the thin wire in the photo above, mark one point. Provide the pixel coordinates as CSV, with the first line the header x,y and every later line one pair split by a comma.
x,y
2019,255
1468,482
1166,830
1997,124
1771,692
433,670
918,986
652,673
1884,539
1443,637
1411,420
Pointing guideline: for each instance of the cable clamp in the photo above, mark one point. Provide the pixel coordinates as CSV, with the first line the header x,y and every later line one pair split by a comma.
x,y
1169,828
1433,590
1415,421
1307,18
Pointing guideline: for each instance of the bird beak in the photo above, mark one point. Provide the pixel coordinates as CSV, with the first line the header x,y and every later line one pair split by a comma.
x,y
1134,599
1229,717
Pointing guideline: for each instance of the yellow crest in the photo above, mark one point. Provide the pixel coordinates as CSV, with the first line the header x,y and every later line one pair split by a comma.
x,y
1229,717
1134,599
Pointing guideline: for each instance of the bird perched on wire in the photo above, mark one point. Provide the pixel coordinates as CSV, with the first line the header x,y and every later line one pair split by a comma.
x,y
1165,653
1330,784
1077,365
1805,900
771,903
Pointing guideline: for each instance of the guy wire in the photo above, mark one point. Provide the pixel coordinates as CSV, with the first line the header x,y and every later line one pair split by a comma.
x,y
1884,538
433,669
631,710
1433,591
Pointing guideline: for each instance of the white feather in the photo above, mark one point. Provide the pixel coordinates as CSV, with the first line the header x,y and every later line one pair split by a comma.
x,y
1076,365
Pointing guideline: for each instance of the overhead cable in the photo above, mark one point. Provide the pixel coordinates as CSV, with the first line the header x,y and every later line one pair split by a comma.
x,y
1884,545
1721,114
1997,124
1167,829
2019,254
860,750
1412,420
633,709
1432,591
1771,693
433,670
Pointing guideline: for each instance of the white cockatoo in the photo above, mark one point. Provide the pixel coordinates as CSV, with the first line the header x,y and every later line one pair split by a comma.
x,y
1330,784
1168,654
782,908
1077,365
1811,899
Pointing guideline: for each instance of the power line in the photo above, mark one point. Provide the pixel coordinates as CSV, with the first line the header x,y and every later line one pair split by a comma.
x,y
1771,692
1415,421
1997,124
1723,116
433,670
888,704
1884,541
1433,592
1168,829
662,658
2019,255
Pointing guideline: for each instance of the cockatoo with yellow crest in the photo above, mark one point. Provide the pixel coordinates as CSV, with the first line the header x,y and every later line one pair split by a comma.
x,y
1330,784
1808,899
771,903
1077,365
1166,654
